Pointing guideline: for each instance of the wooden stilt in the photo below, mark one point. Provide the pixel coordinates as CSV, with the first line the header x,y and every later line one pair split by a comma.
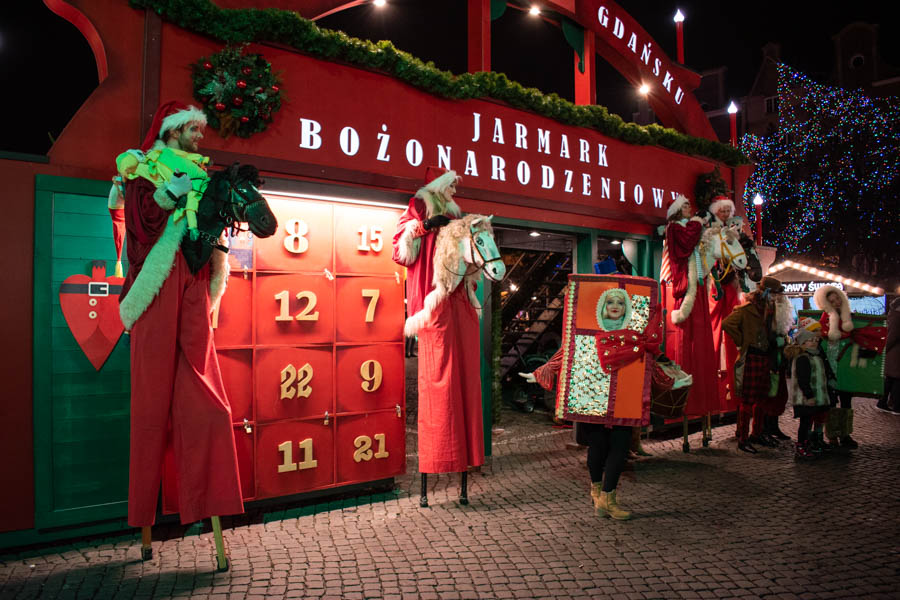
x,y
423,499
463,488
221,559
146,548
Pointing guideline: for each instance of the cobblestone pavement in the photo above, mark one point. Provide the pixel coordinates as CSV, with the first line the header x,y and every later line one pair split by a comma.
x,y
713,523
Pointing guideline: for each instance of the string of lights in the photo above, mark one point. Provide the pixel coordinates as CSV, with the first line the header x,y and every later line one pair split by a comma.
x,y
830,174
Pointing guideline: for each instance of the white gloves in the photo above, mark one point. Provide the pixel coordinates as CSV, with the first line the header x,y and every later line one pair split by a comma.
x,y
180,185
529,377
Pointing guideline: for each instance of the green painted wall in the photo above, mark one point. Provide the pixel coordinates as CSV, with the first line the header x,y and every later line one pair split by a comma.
x,y
80,415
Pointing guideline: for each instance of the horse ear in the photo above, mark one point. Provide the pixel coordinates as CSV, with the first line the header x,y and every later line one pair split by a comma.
x,y
475,222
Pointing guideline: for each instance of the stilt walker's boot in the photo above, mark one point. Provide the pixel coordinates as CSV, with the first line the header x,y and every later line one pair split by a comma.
x,y
833,426
847,429
596,490
611,508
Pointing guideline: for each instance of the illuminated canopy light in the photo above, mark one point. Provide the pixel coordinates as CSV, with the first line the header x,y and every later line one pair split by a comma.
x,y
616,242
644,89
824,274
535,11
732,108
535,234
379,3
679,16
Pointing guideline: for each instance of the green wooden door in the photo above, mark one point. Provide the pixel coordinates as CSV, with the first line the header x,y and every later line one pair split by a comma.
x,y
80,414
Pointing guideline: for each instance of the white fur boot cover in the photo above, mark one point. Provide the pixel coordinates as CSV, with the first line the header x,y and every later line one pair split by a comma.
x,y
218,275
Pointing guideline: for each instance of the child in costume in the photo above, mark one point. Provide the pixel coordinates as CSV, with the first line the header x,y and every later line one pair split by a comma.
x,y
808,386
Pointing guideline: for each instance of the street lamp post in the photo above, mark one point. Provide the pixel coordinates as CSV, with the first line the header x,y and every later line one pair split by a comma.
x,y
732,114
679,33
757,204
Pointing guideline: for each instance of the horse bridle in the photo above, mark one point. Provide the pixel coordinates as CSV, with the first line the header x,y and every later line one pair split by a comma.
x,y
726,252
484,260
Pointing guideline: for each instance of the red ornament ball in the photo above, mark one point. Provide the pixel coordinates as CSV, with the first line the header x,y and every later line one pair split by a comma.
x,y
220,107
245,119
241,84
275,88
237,100
207,65
246,70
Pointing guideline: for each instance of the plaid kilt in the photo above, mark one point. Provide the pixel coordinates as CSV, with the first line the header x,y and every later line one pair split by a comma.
x,y
756,379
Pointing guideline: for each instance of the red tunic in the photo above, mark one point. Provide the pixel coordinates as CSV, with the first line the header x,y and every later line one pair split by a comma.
x,y
724,347
420,267
690,343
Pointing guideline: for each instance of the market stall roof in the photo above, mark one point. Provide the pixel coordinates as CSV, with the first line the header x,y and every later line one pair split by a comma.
x,y
800,279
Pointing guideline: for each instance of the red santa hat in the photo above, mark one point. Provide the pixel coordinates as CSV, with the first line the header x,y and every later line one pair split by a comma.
x,y
169,116
438,179
675,204
719,202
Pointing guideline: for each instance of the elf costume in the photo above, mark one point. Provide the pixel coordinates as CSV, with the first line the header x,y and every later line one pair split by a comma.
x,y
177,396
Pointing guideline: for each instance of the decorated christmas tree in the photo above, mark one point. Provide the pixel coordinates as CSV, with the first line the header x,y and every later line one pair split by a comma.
x,y
830,175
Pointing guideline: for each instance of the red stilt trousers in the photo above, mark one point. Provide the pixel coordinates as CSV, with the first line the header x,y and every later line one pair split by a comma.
x,y
175,383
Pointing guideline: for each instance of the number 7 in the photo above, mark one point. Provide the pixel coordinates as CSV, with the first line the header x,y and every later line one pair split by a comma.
x,y
373,296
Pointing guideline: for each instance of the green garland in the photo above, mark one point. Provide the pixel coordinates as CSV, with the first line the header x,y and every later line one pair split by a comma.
x,y
239,92
289,28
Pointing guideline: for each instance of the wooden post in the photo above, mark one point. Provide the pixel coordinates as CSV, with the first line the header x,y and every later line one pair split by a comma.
x,y
221,559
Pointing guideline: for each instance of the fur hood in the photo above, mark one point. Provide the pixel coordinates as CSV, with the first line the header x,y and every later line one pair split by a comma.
x,y
626,323
845,318
435,202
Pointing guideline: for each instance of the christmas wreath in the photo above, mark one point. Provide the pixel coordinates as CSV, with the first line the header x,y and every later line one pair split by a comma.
x,y
709,185
239,92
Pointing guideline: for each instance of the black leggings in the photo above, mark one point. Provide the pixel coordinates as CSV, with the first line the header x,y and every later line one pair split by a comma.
x,y
607,449
803,428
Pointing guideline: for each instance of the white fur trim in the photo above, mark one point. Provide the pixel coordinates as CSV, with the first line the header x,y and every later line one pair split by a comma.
x,y
191,114
820,296
220,269
162,199
156,269
432,202
676,205
715,206
681,314
439,184
115,200
408,245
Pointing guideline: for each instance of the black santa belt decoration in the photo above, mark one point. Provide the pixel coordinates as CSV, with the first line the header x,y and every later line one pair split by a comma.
x,y
90,306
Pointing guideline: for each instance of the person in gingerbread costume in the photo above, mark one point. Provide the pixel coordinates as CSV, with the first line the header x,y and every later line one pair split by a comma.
x,y
177,394
689,340
451,437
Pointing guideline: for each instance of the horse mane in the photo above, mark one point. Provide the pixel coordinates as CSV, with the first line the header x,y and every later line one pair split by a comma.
x,y
448,253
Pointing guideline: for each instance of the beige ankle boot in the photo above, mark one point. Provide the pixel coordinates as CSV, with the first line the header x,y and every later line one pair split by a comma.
x,y
610,508
595,494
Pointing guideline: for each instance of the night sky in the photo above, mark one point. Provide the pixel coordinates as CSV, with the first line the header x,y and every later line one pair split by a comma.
x,y
44,87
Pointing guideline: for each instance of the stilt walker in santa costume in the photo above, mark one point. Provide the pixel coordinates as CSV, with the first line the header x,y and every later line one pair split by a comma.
x,y
451,436
177,394
689,338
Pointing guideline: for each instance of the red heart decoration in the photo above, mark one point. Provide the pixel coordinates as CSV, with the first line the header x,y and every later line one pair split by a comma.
x,y
91,308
